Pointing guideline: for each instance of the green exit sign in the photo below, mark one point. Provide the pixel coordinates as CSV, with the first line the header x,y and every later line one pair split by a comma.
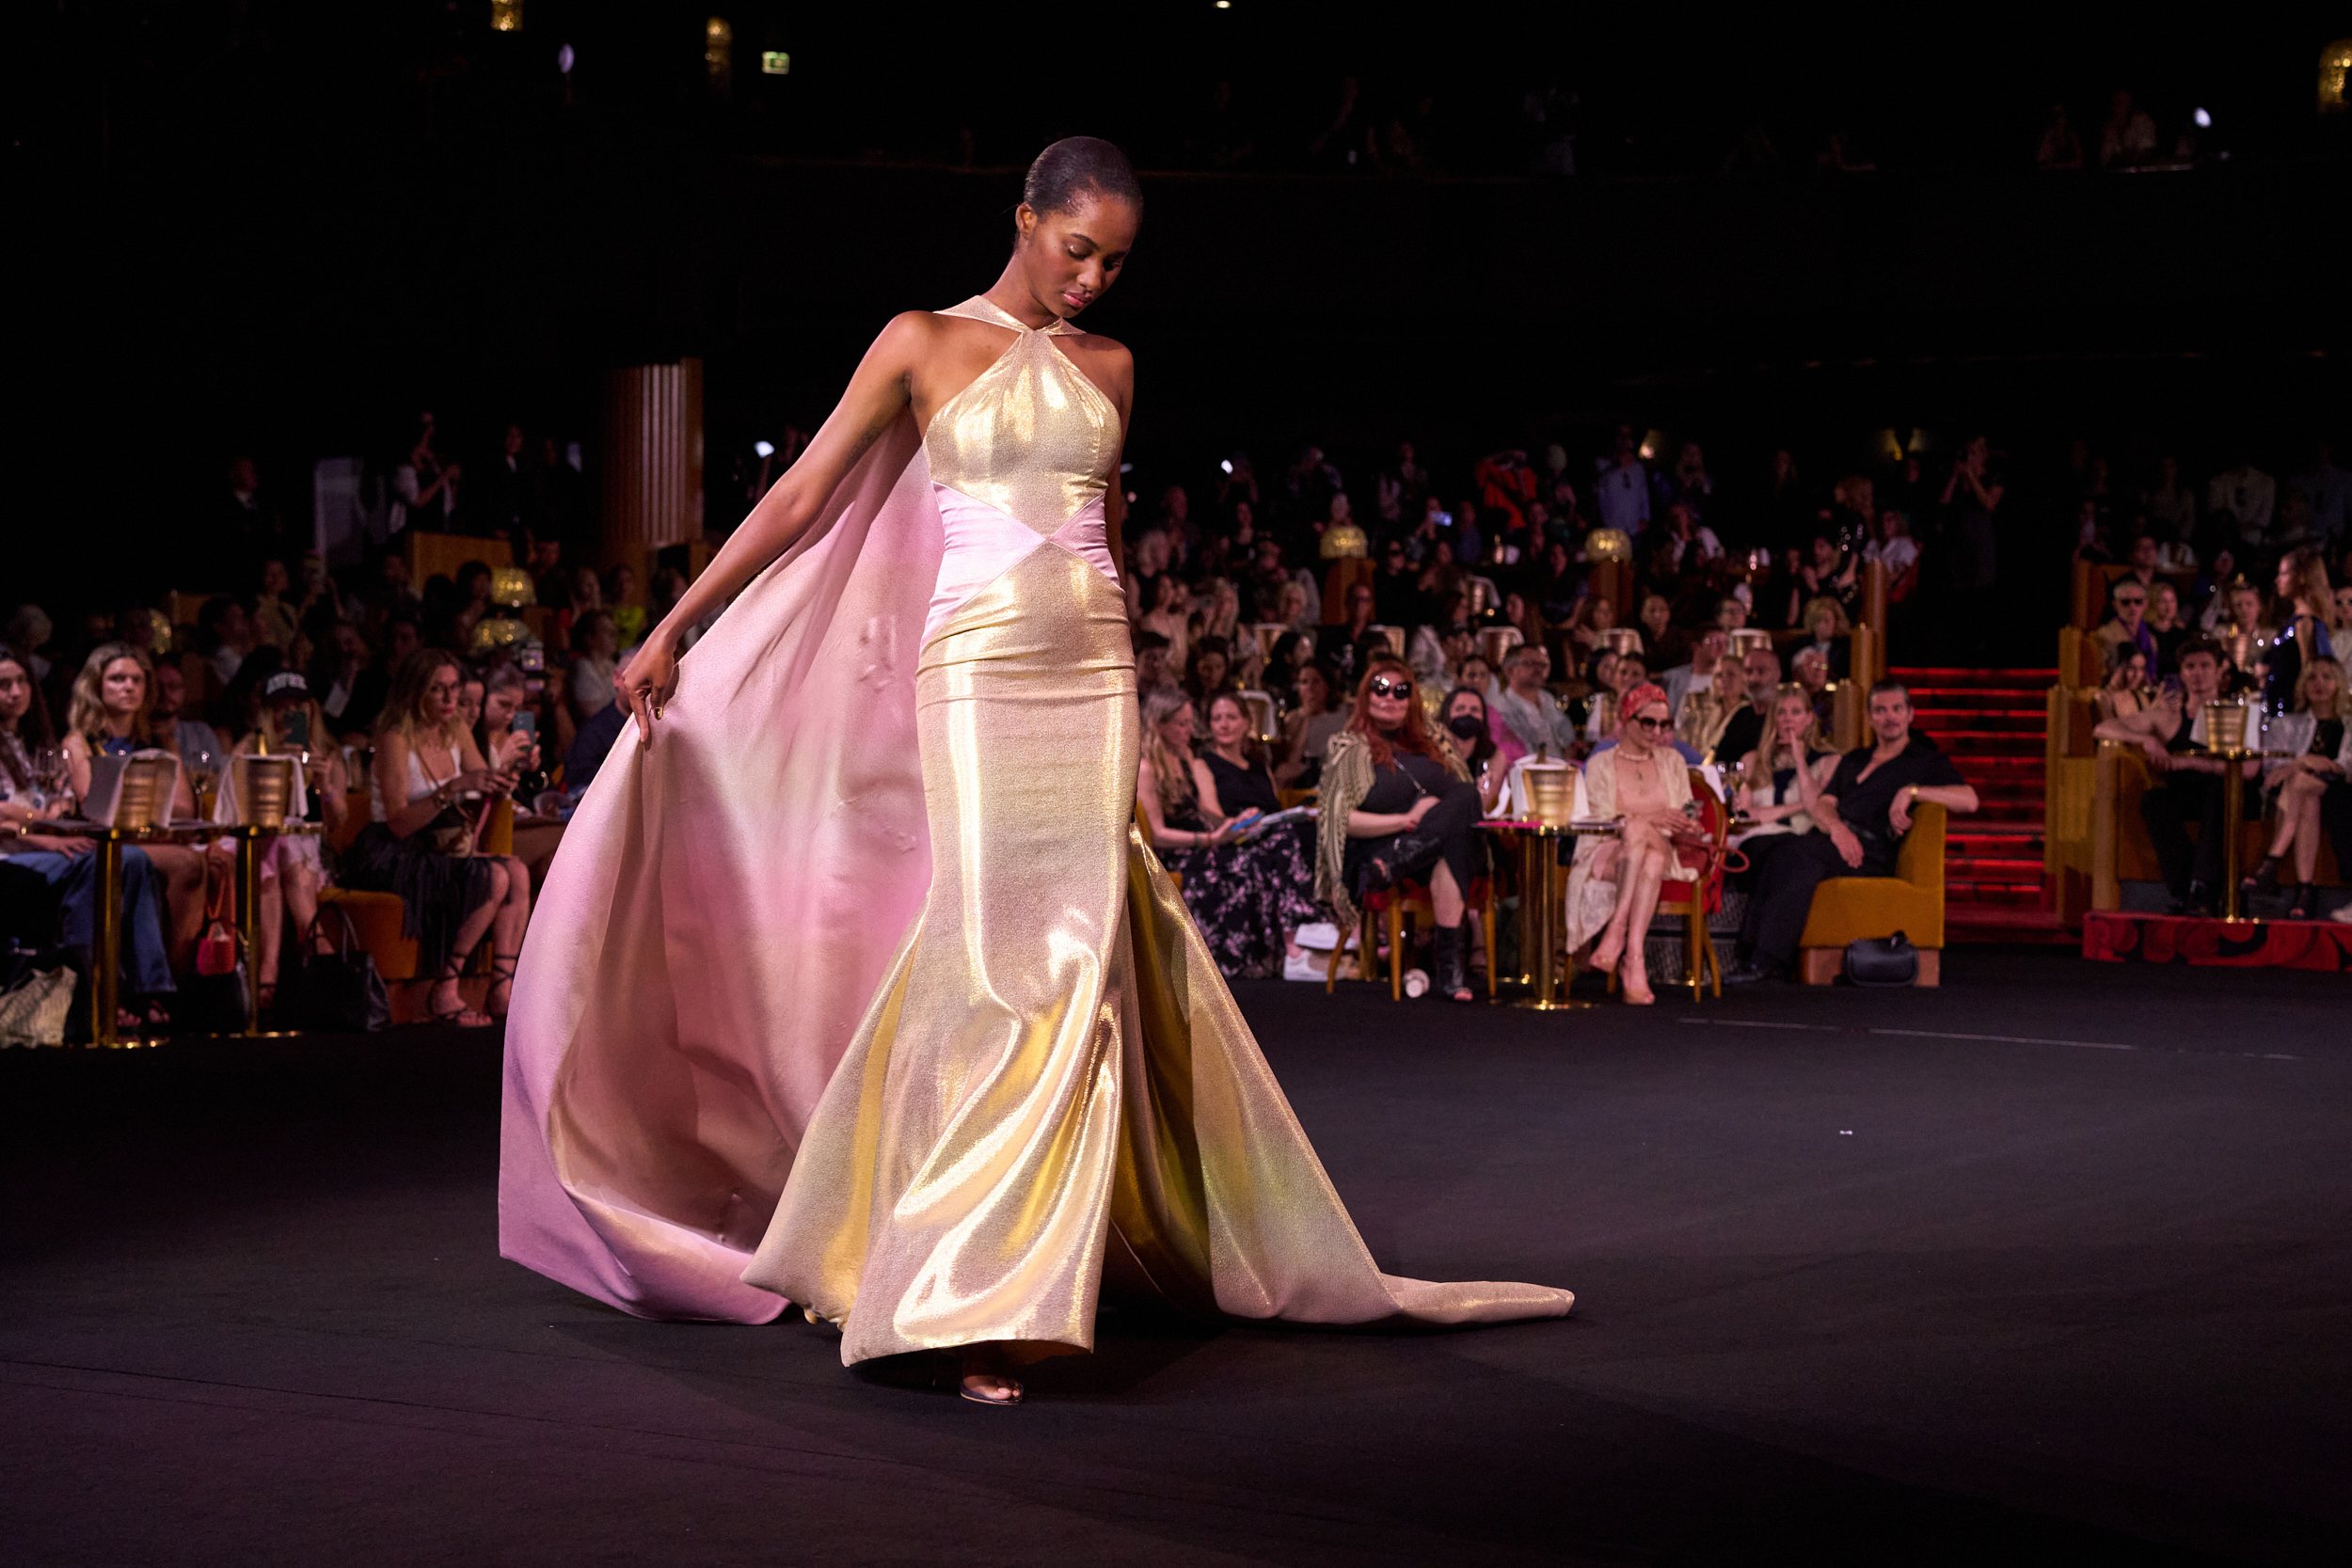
x,y
775,63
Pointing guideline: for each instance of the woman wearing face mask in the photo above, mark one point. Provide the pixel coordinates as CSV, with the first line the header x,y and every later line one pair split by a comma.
x,y
1613,887
1469,734
1398,803
1247,890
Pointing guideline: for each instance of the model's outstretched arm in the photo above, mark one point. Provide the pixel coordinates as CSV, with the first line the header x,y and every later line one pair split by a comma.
x,y
877,392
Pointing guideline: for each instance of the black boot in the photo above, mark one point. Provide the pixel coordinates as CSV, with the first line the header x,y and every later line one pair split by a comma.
x,y
1410,856
1449,949
2265,876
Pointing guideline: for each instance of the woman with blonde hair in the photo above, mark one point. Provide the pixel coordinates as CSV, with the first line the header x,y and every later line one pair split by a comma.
x,y
1825,618
1706,711
1782,780
108,715
1247,890
2321,705
429,792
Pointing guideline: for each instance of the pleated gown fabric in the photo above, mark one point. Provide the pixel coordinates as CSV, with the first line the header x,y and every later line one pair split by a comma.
x,y
1050,1085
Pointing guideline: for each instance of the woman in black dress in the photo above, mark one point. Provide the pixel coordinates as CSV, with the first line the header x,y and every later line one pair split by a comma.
x,y
1249,890
2320,705
1398,803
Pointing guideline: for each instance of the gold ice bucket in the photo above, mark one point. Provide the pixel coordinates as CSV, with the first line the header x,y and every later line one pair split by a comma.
x,y
1396,639
1747,639
141,801
1267,633
1622,640
1261,724
1496,642
265,787
1550,791
2225,726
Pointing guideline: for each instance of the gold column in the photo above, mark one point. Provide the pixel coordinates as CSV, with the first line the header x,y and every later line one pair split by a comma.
x,y
653,460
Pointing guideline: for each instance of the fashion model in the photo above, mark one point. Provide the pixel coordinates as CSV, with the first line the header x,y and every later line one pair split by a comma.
x,y
852,984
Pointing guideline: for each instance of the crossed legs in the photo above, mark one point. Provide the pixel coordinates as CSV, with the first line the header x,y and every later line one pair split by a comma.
x,y
1639,868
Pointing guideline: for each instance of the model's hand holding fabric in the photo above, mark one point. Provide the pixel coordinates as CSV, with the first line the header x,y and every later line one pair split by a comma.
x,y
858,988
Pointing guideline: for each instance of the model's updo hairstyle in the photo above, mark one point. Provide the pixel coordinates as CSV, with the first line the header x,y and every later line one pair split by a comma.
x,y
1067,170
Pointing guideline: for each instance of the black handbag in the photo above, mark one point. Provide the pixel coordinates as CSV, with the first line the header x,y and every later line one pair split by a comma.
x,y
1883,962
338,992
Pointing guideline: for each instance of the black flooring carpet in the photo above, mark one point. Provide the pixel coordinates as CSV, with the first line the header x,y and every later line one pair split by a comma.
x,y
2054,1264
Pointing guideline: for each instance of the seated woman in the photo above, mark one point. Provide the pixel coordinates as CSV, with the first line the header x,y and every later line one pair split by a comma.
x,y
2305,604
1614,886
67,864
1398,803
1825,623
1170,613
110,715
429,791
1307,728
1248,895
2170,627
1781,780
1811,667
1595,617
1708,710
2321,703
1468,733
1293,652
2126,689
595,660
288,721
1209,672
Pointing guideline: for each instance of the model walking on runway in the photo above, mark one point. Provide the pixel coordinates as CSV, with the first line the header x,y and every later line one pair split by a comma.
x,y
852,984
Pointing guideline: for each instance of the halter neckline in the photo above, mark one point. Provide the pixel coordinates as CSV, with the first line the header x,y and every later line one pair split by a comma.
x,y
981,307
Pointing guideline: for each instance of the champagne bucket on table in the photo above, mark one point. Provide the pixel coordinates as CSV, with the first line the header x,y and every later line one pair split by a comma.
x,y
141,802
2225,726
1396,639
1622,640
1267,633
265,787
1261,724
1550,791
1496,642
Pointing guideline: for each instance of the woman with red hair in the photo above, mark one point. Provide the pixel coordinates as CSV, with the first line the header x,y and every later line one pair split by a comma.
x,y
1397,803
1614,885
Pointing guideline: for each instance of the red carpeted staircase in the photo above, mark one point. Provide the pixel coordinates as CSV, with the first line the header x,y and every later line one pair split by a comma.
x,y
1992,723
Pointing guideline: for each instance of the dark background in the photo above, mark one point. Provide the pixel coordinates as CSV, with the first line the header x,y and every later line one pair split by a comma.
x,y
280,229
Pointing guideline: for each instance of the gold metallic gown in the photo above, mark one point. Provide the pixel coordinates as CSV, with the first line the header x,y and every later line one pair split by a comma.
x,y
1053,1082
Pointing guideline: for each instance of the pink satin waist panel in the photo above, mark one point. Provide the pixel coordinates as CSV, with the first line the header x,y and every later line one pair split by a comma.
x,y
981,540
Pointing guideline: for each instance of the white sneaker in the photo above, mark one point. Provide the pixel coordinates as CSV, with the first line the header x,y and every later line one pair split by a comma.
x,y
1307,965
2344,914
1322,936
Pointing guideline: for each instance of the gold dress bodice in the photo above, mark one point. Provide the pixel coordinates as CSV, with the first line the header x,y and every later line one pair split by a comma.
x,y
1033,437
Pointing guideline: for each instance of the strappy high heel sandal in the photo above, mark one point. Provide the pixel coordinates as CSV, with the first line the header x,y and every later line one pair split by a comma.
x,y
2304,899
2264,878
501,974
461,1016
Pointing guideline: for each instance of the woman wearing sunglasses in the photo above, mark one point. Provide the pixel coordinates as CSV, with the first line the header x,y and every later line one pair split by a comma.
x,y
1614,886
1397,803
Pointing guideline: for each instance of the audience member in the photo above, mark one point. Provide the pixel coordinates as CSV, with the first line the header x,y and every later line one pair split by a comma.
x,y
1614,885
595,654
1467,731
2321,703
1526,708
288,721
1759,670
430,792
1781,780
2189,787
1247,887
1397,804
1865,815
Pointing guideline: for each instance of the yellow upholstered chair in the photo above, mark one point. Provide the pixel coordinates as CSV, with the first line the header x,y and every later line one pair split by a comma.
x,y
1852,909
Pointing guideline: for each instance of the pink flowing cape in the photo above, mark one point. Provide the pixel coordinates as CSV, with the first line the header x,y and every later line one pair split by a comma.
x,y
725,905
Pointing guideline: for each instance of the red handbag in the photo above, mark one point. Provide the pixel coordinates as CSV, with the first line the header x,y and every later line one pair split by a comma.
x,y
216,949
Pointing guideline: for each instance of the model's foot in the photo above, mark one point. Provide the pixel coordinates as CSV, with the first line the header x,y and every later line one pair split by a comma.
x,y
984,1381
1635,981
1605,956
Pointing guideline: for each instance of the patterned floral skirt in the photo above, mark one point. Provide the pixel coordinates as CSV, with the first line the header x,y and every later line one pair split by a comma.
x,y
1244,896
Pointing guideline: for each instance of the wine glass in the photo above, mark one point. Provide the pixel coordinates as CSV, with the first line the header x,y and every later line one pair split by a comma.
x,y
203,779
53,774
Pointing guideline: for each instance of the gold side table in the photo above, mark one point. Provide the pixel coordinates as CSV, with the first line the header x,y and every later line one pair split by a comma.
x,y
105,986
1543,908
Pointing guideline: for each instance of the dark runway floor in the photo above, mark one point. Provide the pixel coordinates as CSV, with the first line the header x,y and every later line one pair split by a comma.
x,y
2056,1261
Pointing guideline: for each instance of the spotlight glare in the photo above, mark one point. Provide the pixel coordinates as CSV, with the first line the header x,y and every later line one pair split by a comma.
x,y
2204,119
1226,465
765,448
563,57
